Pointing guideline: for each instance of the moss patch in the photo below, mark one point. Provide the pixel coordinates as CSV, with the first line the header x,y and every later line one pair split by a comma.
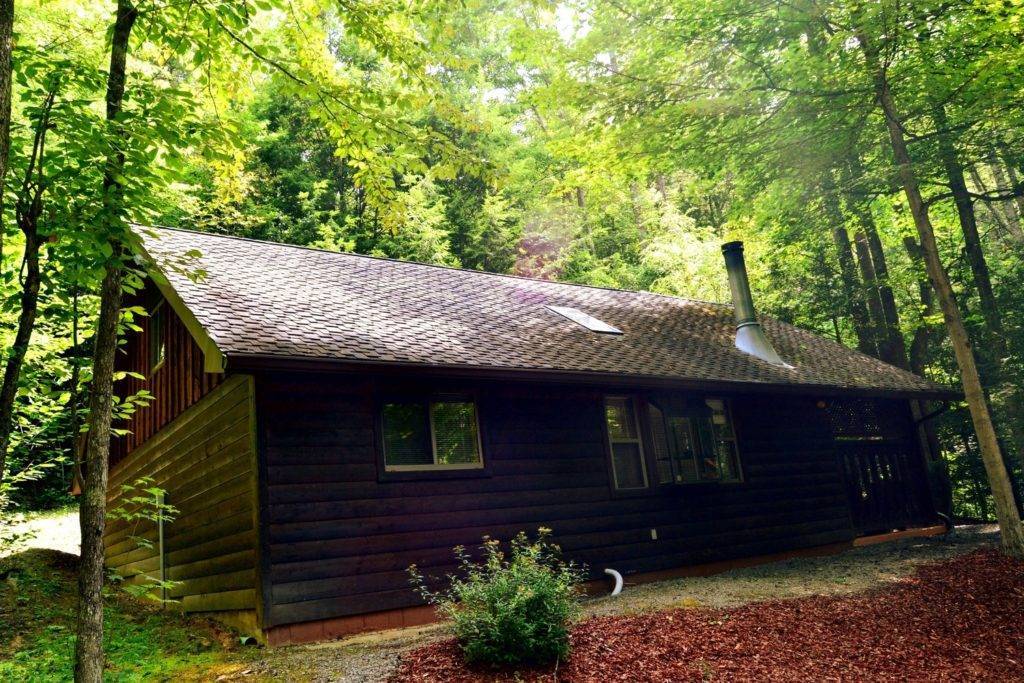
x,y
38,603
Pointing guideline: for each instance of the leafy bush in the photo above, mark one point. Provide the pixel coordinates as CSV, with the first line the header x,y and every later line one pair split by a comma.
x,y
510,609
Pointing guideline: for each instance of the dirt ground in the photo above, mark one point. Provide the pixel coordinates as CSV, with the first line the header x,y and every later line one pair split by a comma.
x,y
375,657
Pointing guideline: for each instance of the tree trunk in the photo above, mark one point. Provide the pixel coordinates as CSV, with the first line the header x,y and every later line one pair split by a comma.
x,y
1011,172
871,256
848,274
1011,206
1011,530
92,516
972,239
997,216
979,491
92,507
923,336
896,347
6,45
30,291
867,274
28,209
16,354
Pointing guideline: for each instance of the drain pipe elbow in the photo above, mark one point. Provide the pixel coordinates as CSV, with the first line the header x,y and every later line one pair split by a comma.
x,y
618,581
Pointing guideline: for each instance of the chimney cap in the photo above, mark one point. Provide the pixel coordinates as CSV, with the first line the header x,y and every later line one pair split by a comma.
x,y
736,245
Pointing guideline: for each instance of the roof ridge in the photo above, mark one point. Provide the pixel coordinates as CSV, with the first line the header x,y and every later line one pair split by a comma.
x,y
436,265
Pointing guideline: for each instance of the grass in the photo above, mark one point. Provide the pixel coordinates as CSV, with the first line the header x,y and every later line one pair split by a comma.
x,y
38,601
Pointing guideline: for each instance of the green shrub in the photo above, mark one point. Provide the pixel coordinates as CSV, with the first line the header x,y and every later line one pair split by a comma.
x,y
513,608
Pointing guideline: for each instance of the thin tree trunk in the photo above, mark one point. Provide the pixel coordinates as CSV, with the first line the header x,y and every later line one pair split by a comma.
x,y
895,345
662,185
1010,208
891,347
6,45
923,336
979,491
30,290
874,301
1011,530
16,354
972,239
997,217
28,210
89,629
1011,172
848,274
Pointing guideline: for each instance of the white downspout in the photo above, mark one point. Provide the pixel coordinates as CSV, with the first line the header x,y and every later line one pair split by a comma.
x,y
618,581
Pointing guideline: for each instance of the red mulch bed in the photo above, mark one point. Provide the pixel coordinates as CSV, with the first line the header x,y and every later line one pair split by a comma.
x,y
961,619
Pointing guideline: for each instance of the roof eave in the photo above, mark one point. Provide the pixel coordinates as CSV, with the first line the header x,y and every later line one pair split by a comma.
x,y
214,360
258,361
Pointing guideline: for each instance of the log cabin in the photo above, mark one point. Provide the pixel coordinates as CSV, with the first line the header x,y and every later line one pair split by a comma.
x,y
321,421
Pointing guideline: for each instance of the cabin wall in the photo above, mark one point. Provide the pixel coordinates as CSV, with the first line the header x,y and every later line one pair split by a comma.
x,y
175,384
338,537
205,461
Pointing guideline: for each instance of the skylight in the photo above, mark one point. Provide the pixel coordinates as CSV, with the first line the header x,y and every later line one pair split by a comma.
x,y
587,321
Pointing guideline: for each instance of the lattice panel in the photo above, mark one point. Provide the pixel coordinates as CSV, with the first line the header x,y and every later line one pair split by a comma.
x,y
869,419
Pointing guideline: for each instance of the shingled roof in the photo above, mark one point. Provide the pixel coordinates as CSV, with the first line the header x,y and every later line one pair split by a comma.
x,y
268,301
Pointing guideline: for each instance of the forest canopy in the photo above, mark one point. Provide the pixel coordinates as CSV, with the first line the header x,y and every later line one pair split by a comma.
x,y
614,143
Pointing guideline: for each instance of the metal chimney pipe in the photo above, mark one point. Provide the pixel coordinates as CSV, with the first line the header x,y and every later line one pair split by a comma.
x,y
750,337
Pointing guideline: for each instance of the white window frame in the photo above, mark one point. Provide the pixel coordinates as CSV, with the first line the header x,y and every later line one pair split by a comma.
x,y
639,441
435,466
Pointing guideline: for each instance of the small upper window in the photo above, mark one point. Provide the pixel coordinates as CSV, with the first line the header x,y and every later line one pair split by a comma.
x,y
587,321
157,337
627,451
425,435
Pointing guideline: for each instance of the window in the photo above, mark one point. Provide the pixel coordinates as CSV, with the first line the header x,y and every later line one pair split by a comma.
x,y
627,452
431,435
720,456
157,338
673,442
587,321
693,441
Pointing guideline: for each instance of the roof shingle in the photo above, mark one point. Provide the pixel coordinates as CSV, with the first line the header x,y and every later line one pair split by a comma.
x,y
266,299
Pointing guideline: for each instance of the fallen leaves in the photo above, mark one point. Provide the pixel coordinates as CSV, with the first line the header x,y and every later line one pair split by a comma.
x,y
961,619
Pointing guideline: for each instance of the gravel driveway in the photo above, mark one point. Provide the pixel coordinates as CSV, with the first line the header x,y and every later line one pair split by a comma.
x,y
374,657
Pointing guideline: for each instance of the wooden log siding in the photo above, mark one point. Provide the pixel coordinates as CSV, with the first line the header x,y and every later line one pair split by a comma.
x,y
175,385
205,461
338,537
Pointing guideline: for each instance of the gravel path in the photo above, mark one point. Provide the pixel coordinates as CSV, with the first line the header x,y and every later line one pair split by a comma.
x,y
57,529
375,657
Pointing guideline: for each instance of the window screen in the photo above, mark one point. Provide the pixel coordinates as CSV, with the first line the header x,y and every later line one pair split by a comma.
x,y
455,433
406,435
693,440
627,452
442,434
672,439
720,455
157,338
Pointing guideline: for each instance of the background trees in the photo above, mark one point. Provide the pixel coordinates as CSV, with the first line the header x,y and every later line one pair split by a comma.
x,y
611,142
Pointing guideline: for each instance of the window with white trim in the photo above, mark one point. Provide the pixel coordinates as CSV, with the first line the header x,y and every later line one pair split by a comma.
x,y
629,471
436,434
